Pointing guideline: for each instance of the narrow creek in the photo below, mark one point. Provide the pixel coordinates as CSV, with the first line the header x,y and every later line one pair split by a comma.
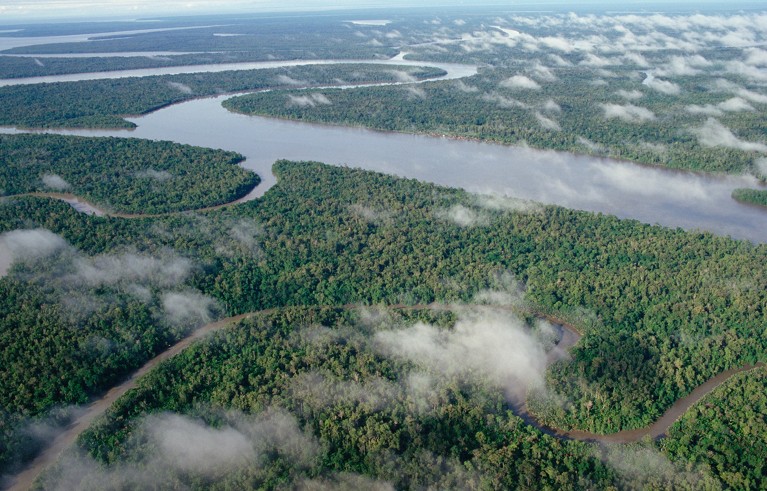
x,y
568,338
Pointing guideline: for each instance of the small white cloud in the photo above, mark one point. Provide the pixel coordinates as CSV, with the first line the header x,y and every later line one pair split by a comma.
x,y
551,106
184,89
742,69
756,57
683,66
628,112
496,202
520,82
56,182
734,104
594,147
485,344
715,134
559,61
403,77
547,123
285,80
28,245
187,308
462,216
416,92
464,87
191,446
637,59
592,60
630,95
542,72
504,102
724,85
662,86
311,100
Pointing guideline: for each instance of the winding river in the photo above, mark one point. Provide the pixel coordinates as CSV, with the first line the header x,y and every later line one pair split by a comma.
x,y
652,195
568,337
693,201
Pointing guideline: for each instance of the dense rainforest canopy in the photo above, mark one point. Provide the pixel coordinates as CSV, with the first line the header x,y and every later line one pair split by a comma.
x,y
336,236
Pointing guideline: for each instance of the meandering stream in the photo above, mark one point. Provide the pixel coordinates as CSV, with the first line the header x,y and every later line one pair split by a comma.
x,y
568,338
652,195
694,201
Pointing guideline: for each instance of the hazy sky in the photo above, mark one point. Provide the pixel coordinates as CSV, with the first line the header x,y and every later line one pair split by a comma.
x,y
32,10
36,9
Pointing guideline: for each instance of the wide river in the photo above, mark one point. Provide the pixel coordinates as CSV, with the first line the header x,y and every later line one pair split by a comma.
x,y
649,194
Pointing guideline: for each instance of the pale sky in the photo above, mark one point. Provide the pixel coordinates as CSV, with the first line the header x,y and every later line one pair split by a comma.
x,y
19,10
35,10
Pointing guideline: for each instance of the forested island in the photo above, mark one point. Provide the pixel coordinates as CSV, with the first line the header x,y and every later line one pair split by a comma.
x,y
104,103
568,114
752,196
368,331
123,175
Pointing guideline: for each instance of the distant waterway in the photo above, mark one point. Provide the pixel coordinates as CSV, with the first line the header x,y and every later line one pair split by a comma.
x,y
10,42
454,70
654,195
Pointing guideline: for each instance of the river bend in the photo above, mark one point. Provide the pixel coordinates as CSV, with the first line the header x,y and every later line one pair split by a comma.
x,y
654,195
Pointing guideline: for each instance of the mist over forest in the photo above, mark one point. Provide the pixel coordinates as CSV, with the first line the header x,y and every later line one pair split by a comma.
x,y
181,310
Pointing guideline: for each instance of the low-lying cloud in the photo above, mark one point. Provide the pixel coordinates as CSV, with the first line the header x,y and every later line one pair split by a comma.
x,y
463,216
629,94
416,92
310,100
498,202
192,446
108,270
543,73
171,451
343,482
504,102
640,466
403,77
725,85
286,80
319,391
593,147
486,344
520,82
29,245
734,104
547,123
56,182
464,87
188,308
715,134
662,86
84,284
628,112
183,88
683,66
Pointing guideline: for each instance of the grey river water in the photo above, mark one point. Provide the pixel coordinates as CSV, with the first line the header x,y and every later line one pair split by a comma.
x,y
627,190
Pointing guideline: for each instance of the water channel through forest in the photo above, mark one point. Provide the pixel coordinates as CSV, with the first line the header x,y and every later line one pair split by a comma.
x,y
691,200
650,194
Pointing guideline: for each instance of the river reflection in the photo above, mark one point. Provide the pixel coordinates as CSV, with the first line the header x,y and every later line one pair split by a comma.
x,y
651,195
